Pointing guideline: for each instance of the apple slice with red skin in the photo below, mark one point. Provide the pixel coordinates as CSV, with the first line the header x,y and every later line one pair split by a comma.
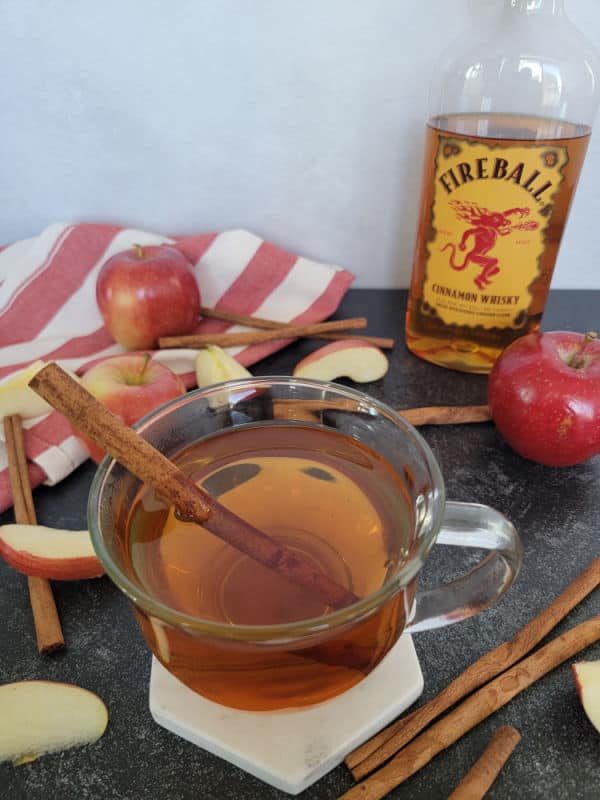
x,y
38,717
148,292
50,553
131,386
587,680
347,358
544,397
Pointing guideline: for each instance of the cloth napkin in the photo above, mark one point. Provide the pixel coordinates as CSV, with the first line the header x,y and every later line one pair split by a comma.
x,y
48,311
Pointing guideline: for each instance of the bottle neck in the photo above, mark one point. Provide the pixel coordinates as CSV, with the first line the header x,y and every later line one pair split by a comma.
x,y
551,7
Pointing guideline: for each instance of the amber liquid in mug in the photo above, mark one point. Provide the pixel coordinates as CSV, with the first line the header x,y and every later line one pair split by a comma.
x,y
323,494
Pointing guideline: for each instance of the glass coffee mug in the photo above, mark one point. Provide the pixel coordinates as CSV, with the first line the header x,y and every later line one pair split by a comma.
x,y
338,478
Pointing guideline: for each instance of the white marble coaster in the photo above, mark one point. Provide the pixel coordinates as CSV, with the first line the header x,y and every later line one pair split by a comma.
x,y
290,749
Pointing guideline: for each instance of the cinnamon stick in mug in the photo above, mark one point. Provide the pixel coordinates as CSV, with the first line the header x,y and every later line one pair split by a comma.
x,y
137,455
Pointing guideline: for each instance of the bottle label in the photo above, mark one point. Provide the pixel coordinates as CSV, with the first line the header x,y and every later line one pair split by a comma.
x,y
492,204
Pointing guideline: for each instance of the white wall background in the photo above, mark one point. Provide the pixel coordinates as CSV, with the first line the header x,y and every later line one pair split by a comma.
x,y
301,120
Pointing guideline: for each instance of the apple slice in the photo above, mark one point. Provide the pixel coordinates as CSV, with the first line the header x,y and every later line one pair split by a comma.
x,y
17,398
587,680
215,365
49,553
38,717
349,358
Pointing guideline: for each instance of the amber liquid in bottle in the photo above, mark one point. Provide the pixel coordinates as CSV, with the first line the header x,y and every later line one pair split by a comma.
x,y
494,228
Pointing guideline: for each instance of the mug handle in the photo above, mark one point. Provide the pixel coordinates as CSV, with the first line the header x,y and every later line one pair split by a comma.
x,y
470,525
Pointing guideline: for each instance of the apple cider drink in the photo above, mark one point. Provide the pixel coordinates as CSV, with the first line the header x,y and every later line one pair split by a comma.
x,y
323,494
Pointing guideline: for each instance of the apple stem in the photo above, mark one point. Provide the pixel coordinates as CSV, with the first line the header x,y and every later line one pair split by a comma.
x,y
139,251
145,364
577,360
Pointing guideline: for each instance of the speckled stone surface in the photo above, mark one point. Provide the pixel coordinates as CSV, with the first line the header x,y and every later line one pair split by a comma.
x,y
557,512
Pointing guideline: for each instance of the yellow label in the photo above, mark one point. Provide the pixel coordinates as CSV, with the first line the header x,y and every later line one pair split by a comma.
x,y
491,207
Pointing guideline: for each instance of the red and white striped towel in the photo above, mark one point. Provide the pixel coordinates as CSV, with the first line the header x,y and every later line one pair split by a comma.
x,y
48,311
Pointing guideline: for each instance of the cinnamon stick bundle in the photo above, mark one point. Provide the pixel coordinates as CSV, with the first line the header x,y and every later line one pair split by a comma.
x,y
48,630
383,745
270,324
259,336
486,769
474,710
137,455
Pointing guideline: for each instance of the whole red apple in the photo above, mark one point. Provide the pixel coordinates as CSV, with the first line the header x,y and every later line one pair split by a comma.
x,y
544,396
130,386
147,292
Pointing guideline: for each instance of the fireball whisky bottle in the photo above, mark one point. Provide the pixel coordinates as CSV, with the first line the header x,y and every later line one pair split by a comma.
x,y
508,132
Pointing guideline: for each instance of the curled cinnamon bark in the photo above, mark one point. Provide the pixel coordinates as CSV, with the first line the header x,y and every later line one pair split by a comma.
x,y
445,415
383,745
48,629
474,710
270,324
485,770
259,336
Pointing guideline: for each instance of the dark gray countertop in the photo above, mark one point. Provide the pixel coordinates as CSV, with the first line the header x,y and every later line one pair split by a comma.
x,y
557,512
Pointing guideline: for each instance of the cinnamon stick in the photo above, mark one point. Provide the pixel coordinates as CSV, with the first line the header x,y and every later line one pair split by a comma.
x,y
445,415
48,630
259,336
486,769
269,324
474,709
138,456
428,415
383,745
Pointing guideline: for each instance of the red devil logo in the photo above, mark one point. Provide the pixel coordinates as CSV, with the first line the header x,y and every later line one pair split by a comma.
x,y
481,238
